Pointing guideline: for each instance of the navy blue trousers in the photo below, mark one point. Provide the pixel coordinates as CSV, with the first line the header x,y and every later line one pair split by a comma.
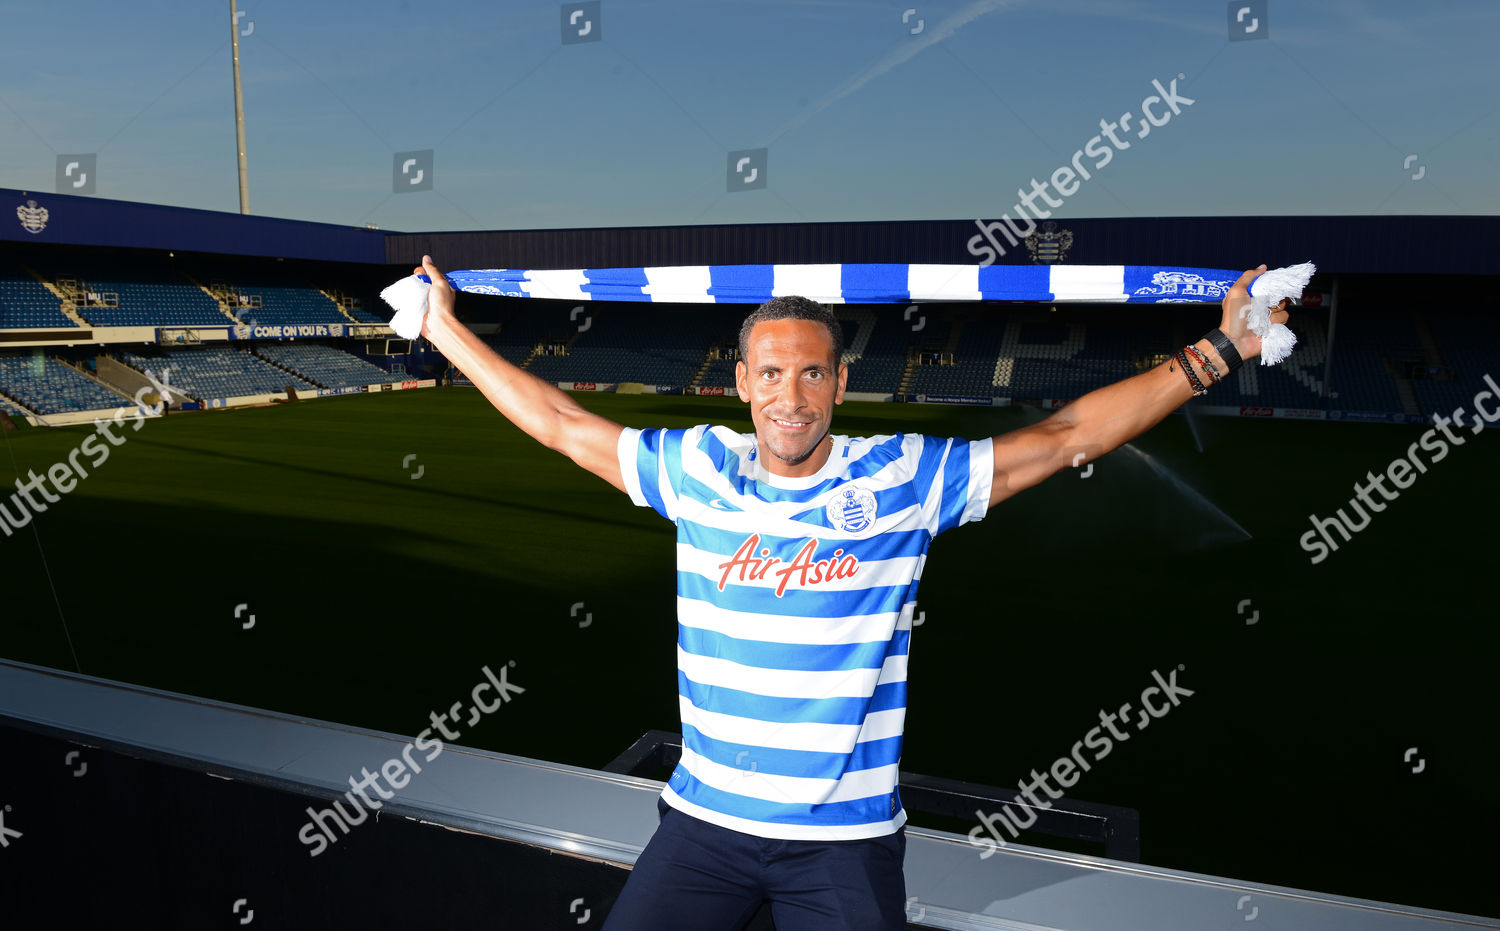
x,y
697,876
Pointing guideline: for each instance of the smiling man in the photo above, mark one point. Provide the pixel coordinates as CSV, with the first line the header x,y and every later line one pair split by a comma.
x,y
798,559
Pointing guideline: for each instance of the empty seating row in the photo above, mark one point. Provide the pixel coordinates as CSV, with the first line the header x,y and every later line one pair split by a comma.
x,y
25,303
325,365
216,372
47,386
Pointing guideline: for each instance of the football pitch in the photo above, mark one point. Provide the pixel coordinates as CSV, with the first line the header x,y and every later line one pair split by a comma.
x,y
389,546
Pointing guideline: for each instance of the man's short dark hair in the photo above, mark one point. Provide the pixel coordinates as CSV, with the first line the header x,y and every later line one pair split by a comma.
x,y
790,307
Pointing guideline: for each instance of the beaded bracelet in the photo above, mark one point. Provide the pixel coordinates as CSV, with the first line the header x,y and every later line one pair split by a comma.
x,y
1209,370
1187,369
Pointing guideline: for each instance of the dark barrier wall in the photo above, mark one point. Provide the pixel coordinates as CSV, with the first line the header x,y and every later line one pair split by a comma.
x,y
32,216
111,841
1338,245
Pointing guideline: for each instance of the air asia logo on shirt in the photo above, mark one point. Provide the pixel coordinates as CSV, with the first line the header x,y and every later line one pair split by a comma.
x,y
852,510
808,571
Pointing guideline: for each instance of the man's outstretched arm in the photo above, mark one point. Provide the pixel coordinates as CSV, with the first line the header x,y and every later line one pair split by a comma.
x,y
1105,419
544,412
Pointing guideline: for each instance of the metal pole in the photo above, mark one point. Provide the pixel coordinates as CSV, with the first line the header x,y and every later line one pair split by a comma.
x,y
1333,316
239,108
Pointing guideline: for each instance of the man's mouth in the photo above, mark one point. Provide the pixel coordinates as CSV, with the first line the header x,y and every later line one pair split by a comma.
x,y
791,424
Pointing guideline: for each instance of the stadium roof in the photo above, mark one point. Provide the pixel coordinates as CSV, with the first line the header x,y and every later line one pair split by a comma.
x,y
1408,245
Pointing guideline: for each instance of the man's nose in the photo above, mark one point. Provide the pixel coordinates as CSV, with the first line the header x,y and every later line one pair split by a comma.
x,y
791,394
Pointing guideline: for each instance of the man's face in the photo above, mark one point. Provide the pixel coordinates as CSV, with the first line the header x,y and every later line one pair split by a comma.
x,y
789,382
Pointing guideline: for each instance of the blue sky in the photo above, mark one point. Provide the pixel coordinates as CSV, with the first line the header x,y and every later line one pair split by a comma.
x,y
866,112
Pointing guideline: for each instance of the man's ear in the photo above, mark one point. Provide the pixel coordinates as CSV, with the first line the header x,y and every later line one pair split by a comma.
x,y
739,381
838,396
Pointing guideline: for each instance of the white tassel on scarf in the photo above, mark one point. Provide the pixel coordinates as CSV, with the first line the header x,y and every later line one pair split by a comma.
x,y
1270,289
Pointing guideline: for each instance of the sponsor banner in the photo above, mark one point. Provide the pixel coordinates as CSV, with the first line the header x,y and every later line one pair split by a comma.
x,y
715,391
407,385
669,389
1053,404
954,399
1368,416
1257,412
1299,413
332,392
586,385
427,383
245,331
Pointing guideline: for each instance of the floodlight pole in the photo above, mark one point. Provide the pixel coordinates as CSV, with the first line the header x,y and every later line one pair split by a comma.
x,y
239,108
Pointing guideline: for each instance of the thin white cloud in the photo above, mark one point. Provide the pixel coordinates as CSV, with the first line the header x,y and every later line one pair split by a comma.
x,y
902,52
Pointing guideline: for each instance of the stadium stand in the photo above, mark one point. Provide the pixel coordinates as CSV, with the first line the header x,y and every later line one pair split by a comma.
x,y
879,366
280,305
527,323
49,387
204,372
113,293
324,365
25,303
633,346
1463,352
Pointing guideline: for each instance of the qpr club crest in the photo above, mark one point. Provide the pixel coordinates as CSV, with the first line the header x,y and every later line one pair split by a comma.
x,y
1182,288
852,510
33,218
1049,245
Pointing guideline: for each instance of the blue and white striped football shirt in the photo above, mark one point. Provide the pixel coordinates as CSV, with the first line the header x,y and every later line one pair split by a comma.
x,y
794,610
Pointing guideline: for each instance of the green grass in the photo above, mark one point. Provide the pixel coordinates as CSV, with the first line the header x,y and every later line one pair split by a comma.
x,y
378,597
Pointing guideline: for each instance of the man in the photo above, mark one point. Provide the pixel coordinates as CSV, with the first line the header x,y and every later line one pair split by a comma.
x,y
799,553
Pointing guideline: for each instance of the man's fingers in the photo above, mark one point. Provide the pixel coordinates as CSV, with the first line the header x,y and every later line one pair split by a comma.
x,y
430,269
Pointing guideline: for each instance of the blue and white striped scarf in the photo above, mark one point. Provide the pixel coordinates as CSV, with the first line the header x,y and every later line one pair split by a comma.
x,y
880,283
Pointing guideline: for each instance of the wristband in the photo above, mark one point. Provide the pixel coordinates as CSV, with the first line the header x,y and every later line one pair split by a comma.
x,y
1224,346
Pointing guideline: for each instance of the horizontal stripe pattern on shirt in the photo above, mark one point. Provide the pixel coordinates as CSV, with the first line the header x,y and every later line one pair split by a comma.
x,y
795,599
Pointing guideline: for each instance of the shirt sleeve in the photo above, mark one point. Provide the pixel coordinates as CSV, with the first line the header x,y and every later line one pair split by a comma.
x,y
651,467
960,484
